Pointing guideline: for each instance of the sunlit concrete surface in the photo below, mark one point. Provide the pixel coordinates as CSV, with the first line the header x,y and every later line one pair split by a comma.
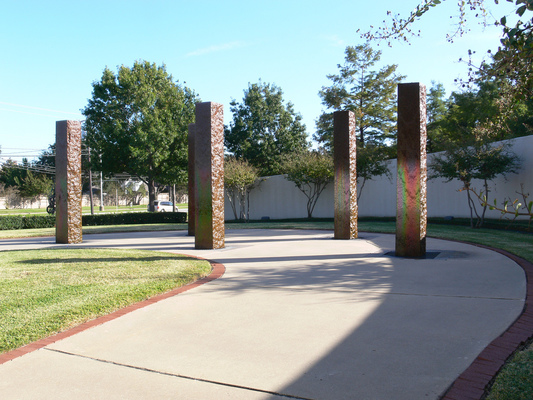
x,y
296,314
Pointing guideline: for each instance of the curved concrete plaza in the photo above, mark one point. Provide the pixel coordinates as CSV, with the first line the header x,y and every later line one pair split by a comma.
x,y
295,315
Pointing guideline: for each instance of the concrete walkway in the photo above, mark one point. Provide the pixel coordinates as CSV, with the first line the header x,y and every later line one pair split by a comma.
x,y
296,315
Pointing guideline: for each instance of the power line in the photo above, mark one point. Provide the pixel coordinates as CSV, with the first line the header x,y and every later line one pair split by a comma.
x,y
28,153
50,170
39,108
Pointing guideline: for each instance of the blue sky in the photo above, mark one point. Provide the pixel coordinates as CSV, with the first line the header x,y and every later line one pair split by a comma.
x,y
52,51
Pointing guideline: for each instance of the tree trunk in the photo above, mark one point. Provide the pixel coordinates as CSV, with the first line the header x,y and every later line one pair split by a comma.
x,y
174,198
91,198
467,188
230,194
151,195
242,205
486,203
248,205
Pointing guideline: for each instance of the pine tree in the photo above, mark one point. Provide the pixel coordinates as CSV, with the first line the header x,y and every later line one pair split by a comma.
x,y
370,93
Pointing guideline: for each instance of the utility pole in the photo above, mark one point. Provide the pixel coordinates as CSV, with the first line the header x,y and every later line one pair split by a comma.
x,y
174,197
101,192
91,184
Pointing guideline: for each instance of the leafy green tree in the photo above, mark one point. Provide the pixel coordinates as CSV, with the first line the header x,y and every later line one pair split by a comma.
x,y
475,119
264,129
134,192
436,112
311,172
137,122
466,111
28,184
480,160
34,185
367,91
115,190
12,173
239,179
481,113
513,58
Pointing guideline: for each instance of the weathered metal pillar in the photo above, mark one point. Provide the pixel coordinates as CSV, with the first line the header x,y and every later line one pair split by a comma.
x,y
68,182
344,158
411,191
191,184
209,176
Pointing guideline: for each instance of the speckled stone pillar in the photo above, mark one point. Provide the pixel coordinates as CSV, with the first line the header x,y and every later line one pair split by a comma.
x,y
209,176
411,194
191,184
344,158
68,182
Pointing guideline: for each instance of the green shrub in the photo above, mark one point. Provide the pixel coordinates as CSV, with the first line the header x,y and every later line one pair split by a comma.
x,y
39,221
134,218
11,222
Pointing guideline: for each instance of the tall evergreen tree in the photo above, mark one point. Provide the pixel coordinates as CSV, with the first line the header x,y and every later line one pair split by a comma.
x,y
264,129
367,91
371,94
436,112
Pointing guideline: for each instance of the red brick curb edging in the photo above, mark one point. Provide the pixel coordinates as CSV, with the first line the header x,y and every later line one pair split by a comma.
x,y
471,384
217,271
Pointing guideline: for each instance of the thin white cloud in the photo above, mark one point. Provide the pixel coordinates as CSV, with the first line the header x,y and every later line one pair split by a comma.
x,y
26,112
335,40
34,108
216,48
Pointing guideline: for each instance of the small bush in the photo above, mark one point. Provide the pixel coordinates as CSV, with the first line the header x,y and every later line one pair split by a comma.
x,y
11,222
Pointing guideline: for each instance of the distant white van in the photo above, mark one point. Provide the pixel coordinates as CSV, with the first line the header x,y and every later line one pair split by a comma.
x,y
162,206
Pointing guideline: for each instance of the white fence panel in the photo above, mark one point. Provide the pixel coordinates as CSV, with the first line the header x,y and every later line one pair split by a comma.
x,y
279,198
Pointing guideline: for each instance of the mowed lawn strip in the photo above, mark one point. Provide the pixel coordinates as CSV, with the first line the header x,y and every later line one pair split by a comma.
x,y
43,292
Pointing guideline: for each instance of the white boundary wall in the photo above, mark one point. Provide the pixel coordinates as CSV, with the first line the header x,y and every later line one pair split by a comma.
x,y
279,198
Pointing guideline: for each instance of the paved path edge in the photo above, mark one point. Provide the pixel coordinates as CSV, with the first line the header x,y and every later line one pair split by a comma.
x,y
217,271
474,382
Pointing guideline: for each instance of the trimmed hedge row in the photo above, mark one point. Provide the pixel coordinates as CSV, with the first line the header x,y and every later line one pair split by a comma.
x,y
134,218
9,222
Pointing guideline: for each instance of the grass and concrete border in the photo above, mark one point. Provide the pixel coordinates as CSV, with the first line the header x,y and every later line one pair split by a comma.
x,y
515,376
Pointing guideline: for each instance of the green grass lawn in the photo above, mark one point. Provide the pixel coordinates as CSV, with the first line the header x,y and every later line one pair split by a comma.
x,y
515,381
47,291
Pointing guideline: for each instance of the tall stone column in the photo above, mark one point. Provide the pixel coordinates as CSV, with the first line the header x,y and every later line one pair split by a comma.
x,y
411,191
68,182
209,176
344,156
191,181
